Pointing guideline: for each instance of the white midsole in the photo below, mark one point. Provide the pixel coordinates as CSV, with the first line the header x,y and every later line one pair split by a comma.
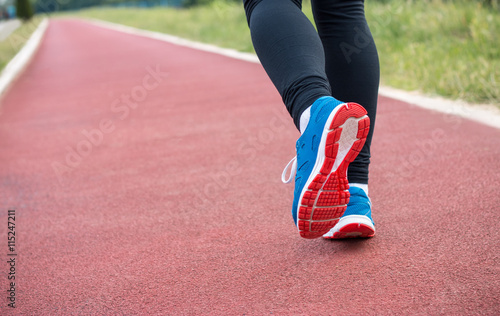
x,y
350,219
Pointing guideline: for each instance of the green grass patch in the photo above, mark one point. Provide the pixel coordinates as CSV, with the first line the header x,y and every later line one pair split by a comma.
x,y
445,48
16,40
448,48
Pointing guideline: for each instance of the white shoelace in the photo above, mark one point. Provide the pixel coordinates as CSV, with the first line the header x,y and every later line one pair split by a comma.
x,y
292,165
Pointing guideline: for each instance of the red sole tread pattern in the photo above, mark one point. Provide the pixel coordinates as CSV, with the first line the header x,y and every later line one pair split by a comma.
x,y
327,196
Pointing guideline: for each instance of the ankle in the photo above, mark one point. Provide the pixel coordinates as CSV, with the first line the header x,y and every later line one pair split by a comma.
x,y
304,119
362,186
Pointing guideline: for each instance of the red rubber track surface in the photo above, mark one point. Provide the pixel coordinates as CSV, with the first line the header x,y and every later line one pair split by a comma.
x,y
180,209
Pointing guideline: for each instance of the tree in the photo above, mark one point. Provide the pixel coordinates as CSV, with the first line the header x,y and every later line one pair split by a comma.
x,y
24,9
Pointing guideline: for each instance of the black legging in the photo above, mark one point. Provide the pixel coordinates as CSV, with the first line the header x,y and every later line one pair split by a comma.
x,y
293,55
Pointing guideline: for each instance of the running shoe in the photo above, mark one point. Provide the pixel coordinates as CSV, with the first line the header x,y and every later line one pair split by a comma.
x,y
335,134
357,220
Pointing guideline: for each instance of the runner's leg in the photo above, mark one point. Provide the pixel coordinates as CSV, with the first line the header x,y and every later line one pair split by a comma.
x,y
352,65
290,51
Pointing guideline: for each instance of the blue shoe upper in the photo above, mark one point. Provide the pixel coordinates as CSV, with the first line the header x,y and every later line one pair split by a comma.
x,y
307,145
359,203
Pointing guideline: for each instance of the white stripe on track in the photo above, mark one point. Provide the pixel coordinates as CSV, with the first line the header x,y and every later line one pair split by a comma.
x,y
22,58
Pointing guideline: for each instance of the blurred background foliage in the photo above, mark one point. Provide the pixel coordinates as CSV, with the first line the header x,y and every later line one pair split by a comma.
x,y
440,47
64,5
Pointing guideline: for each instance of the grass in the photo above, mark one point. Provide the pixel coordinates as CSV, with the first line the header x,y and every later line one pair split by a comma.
x,y
447,48
13,44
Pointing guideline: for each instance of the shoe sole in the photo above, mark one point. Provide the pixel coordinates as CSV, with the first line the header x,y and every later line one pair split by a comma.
x,y
325,195
352,226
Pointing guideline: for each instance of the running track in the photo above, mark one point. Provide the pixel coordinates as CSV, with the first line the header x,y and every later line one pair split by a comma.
x,y
177,208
